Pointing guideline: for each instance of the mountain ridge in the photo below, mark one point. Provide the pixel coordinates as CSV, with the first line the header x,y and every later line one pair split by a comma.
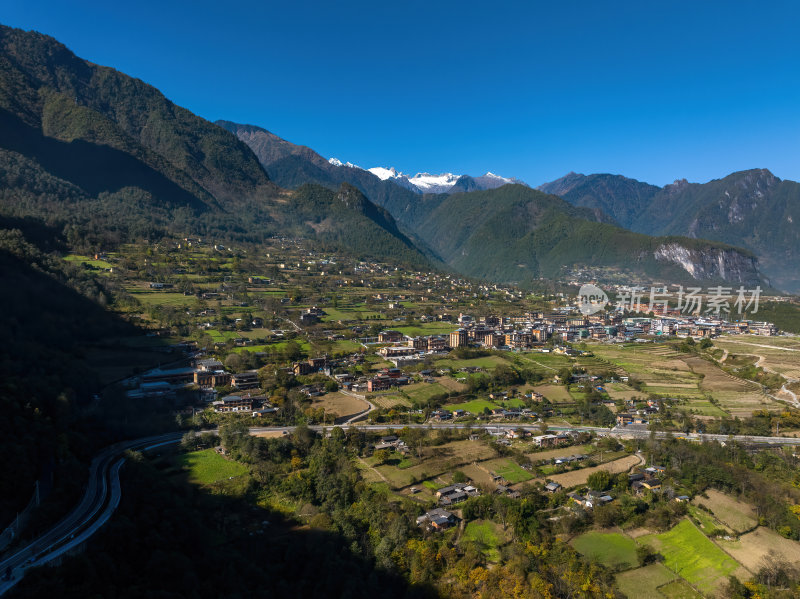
x,y
753,209
108,158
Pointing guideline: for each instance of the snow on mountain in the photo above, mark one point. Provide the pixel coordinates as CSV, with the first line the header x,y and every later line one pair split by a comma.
x,y
491,175
337,162
428,183
385,173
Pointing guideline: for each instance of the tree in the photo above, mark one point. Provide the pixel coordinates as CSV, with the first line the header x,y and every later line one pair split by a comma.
x,y
599,481
646,555
234,362
380,455
606,516
190,441
505,376
292,351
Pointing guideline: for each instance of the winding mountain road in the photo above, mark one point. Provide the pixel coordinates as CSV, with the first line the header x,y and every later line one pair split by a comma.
x,y
103,490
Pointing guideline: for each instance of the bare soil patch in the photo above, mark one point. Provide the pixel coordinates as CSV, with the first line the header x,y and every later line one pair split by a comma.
x,y
579,477
752,549
738,515
340,404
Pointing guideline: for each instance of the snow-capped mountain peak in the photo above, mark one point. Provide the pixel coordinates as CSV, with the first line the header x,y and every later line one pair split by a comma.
x,y
385,173
337,162
430,183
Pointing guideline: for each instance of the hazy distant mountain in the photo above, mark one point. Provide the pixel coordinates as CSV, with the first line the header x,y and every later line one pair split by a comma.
x,y
753,209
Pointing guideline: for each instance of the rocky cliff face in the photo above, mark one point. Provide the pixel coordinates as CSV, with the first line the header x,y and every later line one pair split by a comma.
x,y
711,263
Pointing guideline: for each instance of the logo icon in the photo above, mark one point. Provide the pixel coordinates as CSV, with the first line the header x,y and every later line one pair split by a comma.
x,y
591,299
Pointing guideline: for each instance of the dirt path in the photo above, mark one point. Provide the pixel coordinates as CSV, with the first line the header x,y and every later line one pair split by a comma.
x,y
529,359
360,415
761,345
375,470
760,364
793,394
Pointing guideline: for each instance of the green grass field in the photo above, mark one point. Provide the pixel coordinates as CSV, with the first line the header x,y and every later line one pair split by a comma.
x,y
487,363
679,589
488,535
346,345
688,552
514,402
613,550
422,392
511,471
87,260
207,466
476,406
645,582
162,298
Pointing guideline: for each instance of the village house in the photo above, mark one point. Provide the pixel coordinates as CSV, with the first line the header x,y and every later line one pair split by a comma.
x,y
210,379
437,519
390,336
245,380
233,403
456,493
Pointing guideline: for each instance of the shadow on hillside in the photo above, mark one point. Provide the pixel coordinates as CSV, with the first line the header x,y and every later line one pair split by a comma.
x,y
94,168
47,381
171,539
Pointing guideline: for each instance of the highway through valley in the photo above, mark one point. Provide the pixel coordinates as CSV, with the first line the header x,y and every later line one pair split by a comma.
x,y
103,490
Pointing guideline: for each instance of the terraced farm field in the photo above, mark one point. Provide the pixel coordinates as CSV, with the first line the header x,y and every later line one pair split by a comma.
x,y
645,582
687,377
561,452
579,477
390,400
779,354
660,368
613,550
737,515
691,554
509,470
754,547
422,392
340,404
438,460
487,363
555,393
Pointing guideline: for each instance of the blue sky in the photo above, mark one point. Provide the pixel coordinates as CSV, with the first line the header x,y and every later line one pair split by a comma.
x,y
652,90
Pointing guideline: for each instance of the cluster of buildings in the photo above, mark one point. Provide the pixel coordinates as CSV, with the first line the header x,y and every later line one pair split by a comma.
x,y
638,416
205,374
456,493
535,328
